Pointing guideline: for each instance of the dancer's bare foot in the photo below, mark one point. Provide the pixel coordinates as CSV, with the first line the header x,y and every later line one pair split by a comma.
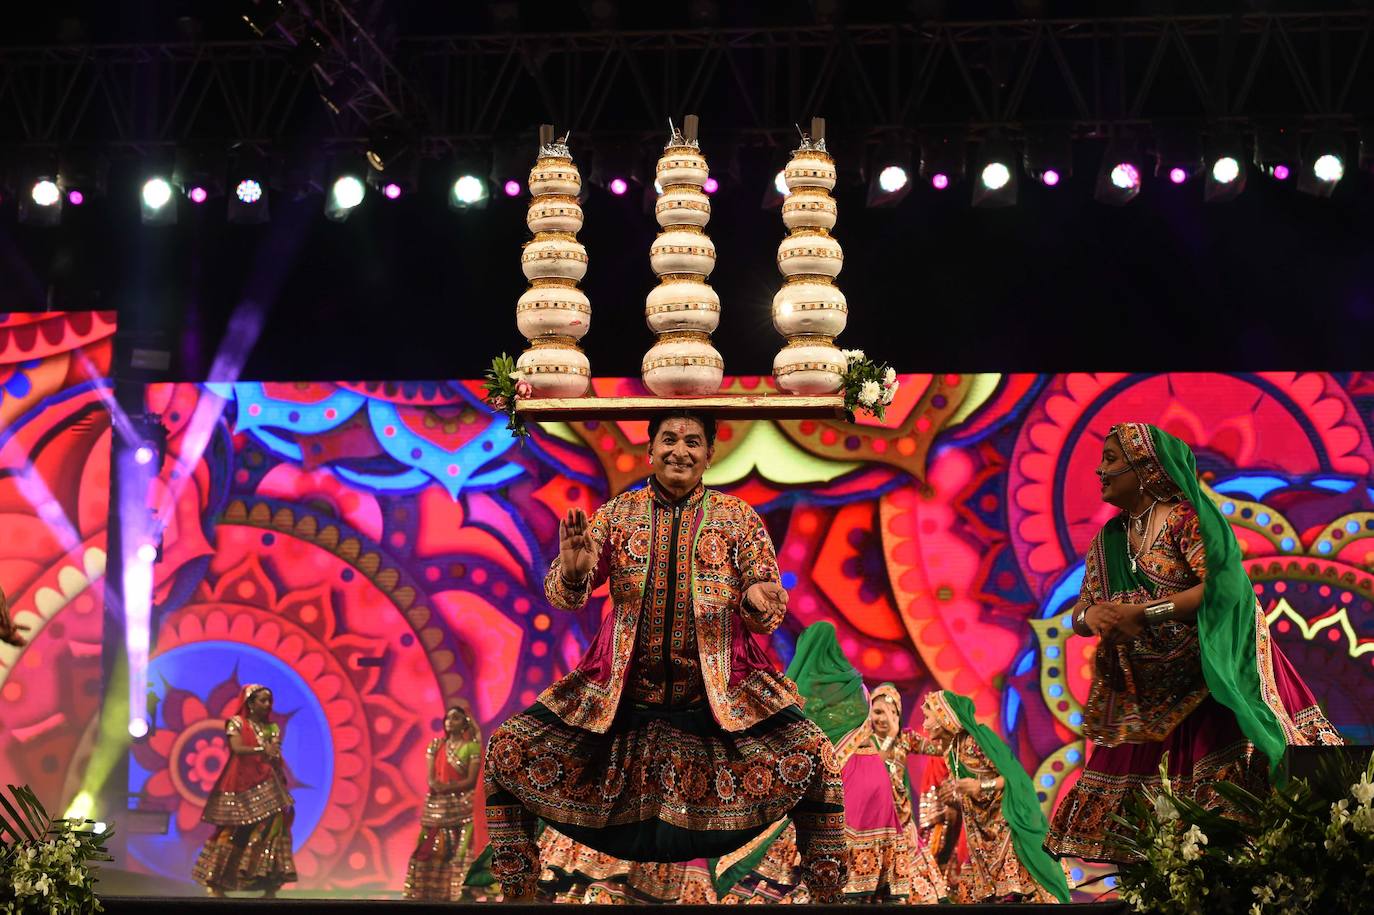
x,y
214,891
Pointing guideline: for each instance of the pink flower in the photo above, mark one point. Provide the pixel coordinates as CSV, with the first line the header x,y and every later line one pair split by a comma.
x,y
497,402
523,390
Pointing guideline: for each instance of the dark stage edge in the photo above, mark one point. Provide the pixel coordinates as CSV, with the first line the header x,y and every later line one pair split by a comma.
x,y
130,905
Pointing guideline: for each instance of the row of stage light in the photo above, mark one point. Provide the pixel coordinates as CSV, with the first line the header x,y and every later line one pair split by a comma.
x,y
995,178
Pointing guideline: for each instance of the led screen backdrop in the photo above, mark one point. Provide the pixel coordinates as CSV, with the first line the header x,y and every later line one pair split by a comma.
x,y
54,504
373,550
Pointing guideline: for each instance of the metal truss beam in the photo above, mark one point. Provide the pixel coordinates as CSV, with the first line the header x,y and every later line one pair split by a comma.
x,y
1092,75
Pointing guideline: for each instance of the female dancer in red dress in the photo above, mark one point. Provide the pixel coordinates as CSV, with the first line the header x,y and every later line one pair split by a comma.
x,y
251,846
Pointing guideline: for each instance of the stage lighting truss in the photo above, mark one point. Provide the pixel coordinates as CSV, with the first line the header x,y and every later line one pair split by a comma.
x,y
995,179
1226,172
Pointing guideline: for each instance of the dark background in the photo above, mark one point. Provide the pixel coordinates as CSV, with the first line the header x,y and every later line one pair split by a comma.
x,y
410,289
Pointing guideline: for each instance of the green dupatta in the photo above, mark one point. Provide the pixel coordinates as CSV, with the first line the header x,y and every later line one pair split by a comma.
x,y
1226,618
1019,805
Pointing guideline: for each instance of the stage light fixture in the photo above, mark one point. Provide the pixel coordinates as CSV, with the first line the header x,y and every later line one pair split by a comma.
x,y
308,50
385,150
1049,155
82,175
261,15
1324,165
40,201
1178,152
156,204
199,173
996,185
780,184
248,202
468,192
889,172
1277,151
510,164
1119,177
45,192
710,185
1225,169
942,157
346,193
147,552
615,168
391,190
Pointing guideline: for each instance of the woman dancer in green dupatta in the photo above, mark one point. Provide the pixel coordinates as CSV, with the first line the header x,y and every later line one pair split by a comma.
x,y
1003,823
1185,665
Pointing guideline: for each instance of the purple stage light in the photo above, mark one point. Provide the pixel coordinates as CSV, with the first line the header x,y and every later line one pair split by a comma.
x,y
76,198
710,185
939,181
391,190
1177,175
512,188
619,186
198,194
1050,177
1281,172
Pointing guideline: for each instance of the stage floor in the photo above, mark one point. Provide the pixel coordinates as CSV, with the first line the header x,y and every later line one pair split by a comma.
x,y
166,905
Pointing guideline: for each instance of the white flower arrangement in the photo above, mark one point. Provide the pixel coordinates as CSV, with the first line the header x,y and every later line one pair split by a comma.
x,y
867,385
43,865
1306,847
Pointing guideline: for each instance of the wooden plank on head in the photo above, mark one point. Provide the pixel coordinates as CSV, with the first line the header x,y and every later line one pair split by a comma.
x,y
690,125
817,129
545,134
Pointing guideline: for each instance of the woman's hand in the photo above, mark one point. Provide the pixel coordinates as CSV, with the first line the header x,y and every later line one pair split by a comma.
x,y
1116,622
969,787
765,604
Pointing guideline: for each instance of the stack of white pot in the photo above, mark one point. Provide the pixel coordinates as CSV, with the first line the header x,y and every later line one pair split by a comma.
x,y
682,310
809,310
554,314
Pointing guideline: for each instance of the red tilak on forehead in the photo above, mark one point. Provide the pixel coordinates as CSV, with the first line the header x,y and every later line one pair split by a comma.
x,y
682,427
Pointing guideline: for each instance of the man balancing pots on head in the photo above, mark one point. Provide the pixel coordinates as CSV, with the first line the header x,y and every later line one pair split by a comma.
x,y
674,738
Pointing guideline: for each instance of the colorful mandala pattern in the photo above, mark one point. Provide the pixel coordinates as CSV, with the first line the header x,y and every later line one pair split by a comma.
x,y
376,550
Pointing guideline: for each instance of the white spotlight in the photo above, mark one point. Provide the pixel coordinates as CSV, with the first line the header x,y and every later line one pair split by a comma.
x,y
45,192
892,179
995,176
156,193
348,192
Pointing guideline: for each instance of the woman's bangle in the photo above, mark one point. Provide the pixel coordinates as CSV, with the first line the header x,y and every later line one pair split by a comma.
x,y
575,585
1158,613
988,785
1079,618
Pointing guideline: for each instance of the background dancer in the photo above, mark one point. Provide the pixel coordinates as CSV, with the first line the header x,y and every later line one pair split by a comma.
x,y
250,848
445,850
